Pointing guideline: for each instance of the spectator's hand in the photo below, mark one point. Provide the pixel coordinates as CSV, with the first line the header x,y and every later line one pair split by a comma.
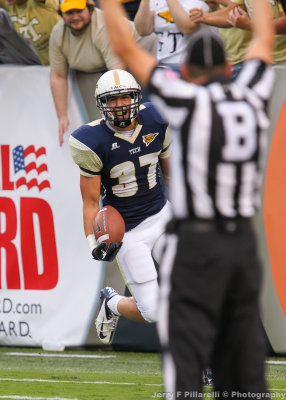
x,y
100,252
196,15
239,18
63,126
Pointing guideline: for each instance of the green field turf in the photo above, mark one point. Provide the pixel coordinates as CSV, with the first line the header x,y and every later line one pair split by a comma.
x,y
33,374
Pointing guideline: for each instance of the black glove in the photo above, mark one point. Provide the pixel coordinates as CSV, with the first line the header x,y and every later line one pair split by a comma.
x,y
102,254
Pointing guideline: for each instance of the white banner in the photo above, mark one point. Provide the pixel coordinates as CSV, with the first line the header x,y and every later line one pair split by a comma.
x,y
49,285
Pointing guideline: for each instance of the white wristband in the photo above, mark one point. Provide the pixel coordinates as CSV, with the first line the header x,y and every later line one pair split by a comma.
x,y
92,244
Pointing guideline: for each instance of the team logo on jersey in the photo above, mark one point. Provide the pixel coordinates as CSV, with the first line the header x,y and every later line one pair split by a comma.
x,y
147,139
166,15
114,146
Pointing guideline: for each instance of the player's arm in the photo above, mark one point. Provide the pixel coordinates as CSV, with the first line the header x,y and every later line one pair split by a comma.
x,y
181,17
59,87
90,193
164,163
139,62
165,156
144,19
262,42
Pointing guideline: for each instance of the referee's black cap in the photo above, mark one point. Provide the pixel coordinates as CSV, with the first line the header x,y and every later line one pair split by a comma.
x,y
205,50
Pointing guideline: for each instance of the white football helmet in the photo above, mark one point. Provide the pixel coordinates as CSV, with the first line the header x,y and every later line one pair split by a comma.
x,y
115,83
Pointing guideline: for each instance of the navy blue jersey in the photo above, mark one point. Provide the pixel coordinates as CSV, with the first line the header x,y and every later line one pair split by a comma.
x,y
128,165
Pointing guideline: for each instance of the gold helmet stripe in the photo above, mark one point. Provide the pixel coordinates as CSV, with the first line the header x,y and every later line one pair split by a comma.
x,y
116,77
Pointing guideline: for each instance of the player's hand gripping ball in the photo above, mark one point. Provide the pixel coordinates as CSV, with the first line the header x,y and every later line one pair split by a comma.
x,y
109,229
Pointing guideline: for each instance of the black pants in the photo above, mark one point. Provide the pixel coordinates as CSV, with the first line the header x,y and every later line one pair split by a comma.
x,y
209,313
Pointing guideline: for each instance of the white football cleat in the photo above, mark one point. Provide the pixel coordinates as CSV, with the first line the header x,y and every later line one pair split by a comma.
x,y
207,377
106,320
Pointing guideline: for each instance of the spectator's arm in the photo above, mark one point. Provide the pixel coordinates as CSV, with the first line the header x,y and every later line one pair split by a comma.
x,y
90,192
223,2
59,87
144,19
280,25
181,17
239,18
262,43
139,61
217,18
112,61
164,163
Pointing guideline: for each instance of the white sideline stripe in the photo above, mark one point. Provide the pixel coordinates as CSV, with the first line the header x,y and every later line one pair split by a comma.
x,y
88,356
33,398
56,355
275,362
80,382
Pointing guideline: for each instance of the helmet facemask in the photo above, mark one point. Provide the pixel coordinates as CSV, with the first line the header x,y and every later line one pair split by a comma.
x,y
120,116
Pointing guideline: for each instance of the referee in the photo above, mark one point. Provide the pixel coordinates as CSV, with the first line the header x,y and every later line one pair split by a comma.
x,y
210,273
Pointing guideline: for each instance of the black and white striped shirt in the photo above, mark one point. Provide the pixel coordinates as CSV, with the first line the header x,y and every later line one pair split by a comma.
x,y
219,141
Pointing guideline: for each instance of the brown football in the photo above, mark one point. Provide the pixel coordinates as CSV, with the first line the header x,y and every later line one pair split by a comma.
x,y
108,225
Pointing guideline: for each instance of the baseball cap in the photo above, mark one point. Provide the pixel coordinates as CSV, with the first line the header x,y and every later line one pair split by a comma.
x,y
205,50
66,5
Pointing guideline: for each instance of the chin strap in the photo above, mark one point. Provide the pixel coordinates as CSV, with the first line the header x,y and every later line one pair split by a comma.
x,y
122,124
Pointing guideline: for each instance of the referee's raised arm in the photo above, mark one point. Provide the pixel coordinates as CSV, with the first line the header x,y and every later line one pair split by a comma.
x,y
139,62
262,43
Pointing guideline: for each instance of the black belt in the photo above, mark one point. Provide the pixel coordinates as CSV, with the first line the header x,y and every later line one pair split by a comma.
x,y
225,225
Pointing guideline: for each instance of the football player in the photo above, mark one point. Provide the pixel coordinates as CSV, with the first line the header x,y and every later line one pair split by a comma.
x,y
118,157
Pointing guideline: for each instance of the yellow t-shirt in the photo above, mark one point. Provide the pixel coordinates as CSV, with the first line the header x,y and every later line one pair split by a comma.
x,y
279,52
34,21
236,42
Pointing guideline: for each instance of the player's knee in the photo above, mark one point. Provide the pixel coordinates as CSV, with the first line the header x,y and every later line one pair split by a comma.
x,y
149,314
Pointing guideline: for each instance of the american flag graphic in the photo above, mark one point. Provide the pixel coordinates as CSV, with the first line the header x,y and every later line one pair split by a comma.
x,y
30,167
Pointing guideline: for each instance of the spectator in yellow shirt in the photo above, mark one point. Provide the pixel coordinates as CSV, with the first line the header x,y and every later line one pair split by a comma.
x,y
241,17
238,14
14,49
34,21
236,40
